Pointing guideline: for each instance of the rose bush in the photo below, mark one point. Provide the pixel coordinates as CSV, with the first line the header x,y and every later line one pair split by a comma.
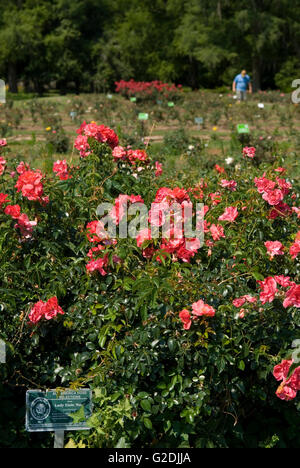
x,y
151,90
178,344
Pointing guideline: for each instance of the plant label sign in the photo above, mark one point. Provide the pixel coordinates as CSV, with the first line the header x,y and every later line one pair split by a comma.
x,y
109,96
243,128
261,105
133,99
199,120
52,411
143,116
159,102
171,104
73,114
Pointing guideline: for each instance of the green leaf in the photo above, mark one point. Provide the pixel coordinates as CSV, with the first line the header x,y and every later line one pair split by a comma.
x,y
147,423
146,405
242,365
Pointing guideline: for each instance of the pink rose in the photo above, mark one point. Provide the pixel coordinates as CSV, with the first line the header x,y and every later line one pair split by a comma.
x,y
217,232
144,235
269,289
273,197
295,249
281,371
286,393
185,317
292,297
230,184
274,248
201,309
230,214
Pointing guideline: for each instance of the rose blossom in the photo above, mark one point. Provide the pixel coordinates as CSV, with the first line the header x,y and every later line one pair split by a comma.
x,y
29,183
61,169
274,248
264,185
25,226
97,265
13,210
283,281
47,310
143,236
37,312
230,184
185,317
158,168
273,197
217,232
22,167
119,153
281,371
295,249
249,152
286,393
269,289
52,309
3,199
292,297
201,309
230,214
238,302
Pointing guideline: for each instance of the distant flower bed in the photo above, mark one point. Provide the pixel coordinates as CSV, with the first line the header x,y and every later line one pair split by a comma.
x,y
147,89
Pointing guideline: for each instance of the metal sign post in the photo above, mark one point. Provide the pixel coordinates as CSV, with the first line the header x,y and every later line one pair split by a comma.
x,y
59,439
2,352
2,92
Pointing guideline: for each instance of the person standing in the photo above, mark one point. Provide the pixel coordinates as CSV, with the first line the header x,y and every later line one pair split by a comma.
x,y
240,85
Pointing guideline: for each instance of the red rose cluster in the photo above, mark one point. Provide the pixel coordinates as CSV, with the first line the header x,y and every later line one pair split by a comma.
x,y
273,193
23,224
30,184
60,168
131,87
48,310
100,133
275,248
96,234
289,386
269,290
176,245
134,157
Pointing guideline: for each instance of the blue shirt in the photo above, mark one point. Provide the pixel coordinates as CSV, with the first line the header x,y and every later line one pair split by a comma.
x,y
242,82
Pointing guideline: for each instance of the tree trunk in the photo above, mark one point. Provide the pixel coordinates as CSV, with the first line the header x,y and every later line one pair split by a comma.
x,y
193,79
219,9
12,78
256,70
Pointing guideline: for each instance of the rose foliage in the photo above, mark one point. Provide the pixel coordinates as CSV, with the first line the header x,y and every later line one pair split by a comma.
x,y
178,344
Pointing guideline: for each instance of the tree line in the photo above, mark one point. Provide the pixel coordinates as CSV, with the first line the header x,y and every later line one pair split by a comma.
x,y
86,45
